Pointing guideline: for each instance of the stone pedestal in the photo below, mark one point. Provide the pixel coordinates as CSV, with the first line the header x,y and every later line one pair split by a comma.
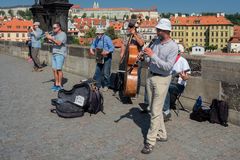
x,y
51,11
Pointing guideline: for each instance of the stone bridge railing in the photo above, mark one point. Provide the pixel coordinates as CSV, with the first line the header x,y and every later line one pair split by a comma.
x,y
212,76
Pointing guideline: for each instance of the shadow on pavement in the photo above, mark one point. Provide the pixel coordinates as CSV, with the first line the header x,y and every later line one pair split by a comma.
x,y
142,120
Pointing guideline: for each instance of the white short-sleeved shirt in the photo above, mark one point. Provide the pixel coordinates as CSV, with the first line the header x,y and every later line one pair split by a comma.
x,y
179,66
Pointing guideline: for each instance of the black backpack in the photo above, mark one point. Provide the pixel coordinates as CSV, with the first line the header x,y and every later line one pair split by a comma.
x,y
83,97
116,81
219,112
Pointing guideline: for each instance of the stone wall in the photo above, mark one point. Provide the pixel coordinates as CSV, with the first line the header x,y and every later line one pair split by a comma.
x,y
212,77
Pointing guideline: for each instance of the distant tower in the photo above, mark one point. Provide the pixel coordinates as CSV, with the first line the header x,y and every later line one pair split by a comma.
x,y
94,4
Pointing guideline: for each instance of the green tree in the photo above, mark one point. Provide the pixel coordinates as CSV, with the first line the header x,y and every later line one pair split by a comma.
x,y
28,15
127,16
84,15
115,18
91,33
2,13
104,17
133,16
10,12
74,17
92,15
21,13
234,18
111,33
147,18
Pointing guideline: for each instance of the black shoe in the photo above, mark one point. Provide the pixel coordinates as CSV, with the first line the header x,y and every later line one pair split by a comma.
x,y
147,148
167,117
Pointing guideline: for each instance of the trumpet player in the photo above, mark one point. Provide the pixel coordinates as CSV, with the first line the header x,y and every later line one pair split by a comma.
x,y
59,52
35,35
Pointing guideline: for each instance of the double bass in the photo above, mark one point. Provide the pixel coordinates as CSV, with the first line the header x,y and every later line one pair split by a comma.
x,y
130,67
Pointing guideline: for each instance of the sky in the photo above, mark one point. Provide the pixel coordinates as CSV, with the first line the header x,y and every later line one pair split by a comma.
x,y
184,6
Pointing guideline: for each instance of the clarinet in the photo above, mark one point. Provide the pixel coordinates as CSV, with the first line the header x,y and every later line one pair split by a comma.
x,y
141,55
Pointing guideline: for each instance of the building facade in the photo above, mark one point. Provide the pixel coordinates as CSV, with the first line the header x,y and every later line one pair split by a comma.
x,y
112,13
202,30
15,30
234,42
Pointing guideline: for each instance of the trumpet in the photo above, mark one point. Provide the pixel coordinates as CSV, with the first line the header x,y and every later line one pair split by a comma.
x,y
44,35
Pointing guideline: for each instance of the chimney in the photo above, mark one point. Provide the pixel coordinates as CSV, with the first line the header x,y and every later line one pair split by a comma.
x,y
223,14
218,14
183,15
176,15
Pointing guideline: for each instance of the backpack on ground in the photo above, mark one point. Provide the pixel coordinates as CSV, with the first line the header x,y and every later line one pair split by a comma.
x,y
83,97
219,112
201,115
116,81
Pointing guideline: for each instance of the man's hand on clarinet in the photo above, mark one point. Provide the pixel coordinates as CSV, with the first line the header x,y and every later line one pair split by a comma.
x,y
149,52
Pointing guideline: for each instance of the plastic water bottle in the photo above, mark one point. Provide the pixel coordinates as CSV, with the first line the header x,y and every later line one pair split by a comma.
x,y
198,104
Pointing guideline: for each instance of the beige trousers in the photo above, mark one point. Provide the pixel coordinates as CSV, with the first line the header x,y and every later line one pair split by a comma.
x,y
157,88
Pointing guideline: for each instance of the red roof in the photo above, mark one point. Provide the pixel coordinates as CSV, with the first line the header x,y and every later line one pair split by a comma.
x,y
116,25
200,20
15,25
149,24
89,22
236,31
75,7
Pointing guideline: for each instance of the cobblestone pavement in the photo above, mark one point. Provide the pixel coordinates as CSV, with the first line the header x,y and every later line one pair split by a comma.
x,y
28,130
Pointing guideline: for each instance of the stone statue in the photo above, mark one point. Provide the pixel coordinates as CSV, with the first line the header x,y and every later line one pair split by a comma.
x,y
42,2
36,2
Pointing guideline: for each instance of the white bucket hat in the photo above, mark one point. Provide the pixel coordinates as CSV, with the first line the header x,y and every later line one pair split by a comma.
x,y
99,30
164,24
36,23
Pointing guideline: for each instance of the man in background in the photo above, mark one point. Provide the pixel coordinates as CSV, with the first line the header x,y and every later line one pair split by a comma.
x,y
36,45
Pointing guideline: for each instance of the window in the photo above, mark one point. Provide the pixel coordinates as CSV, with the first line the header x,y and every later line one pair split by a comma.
x,y
9,27
200,33
2,34
192,28
221,34
217,34
18,27
8,34
192,33
17,34
222,40
192,40
196,33
217,40
186,33
200,40
226,34
23,34
216,27
196,40
212,33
